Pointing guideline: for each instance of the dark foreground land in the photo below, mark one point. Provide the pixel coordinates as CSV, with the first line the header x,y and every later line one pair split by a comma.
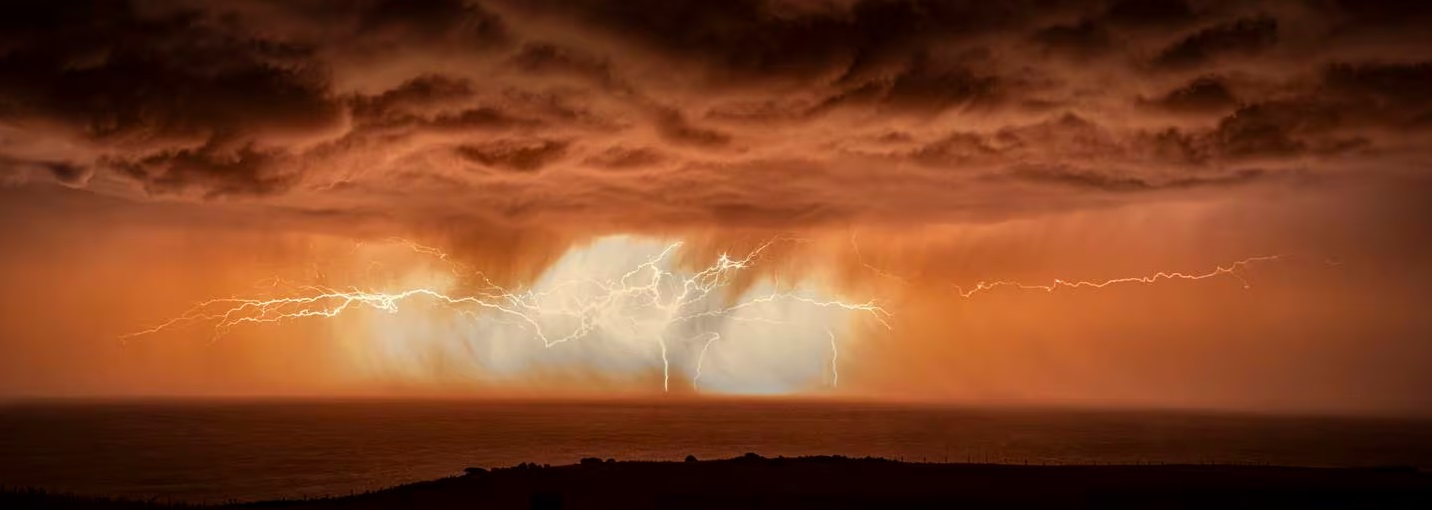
x,y
836,482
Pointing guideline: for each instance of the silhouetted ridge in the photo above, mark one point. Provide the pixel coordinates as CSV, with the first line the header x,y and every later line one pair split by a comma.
x,y
833,482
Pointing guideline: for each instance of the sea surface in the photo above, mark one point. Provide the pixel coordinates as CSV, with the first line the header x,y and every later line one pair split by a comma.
x,y
230,450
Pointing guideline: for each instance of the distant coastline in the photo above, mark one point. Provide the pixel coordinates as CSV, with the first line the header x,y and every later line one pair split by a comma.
x,y
832,482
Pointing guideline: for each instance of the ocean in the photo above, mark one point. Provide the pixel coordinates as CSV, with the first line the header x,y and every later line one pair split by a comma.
x,y
215,451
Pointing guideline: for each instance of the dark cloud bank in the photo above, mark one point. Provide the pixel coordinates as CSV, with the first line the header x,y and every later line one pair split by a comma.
x,y
736,111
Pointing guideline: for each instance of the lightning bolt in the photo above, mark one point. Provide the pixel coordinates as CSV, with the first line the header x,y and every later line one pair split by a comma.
x,y
1229,270
647,287
701,357
859,257
632,299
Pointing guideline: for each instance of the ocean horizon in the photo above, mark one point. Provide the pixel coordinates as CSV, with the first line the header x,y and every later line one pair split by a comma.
x,y
220,450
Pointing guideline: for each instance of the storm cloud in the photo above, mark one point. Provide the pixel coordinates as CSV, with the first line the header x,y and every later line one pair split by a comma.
x,y
741,112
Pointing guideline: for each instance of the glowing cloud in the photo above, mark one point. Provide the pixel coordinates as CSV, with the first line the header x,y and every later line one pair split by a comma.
x,y
621,306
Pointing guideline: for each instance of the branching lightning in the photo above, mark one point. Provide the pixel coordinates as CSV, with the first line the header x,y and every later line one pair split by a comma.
x,y
648,299
647,288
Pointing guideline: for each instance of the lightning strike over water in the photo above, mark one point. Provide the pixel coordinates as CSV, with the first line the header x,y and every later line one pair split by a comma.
x,y
701,356
648,301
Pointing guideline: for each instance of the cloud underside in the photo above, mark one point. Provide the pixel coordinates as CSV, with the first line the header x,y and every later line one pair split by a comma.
x,y
743,112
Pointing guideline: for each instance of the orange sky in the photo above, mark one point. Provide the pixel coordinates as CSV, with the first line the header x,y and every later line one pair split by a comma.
x,y
896,150
1306,335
